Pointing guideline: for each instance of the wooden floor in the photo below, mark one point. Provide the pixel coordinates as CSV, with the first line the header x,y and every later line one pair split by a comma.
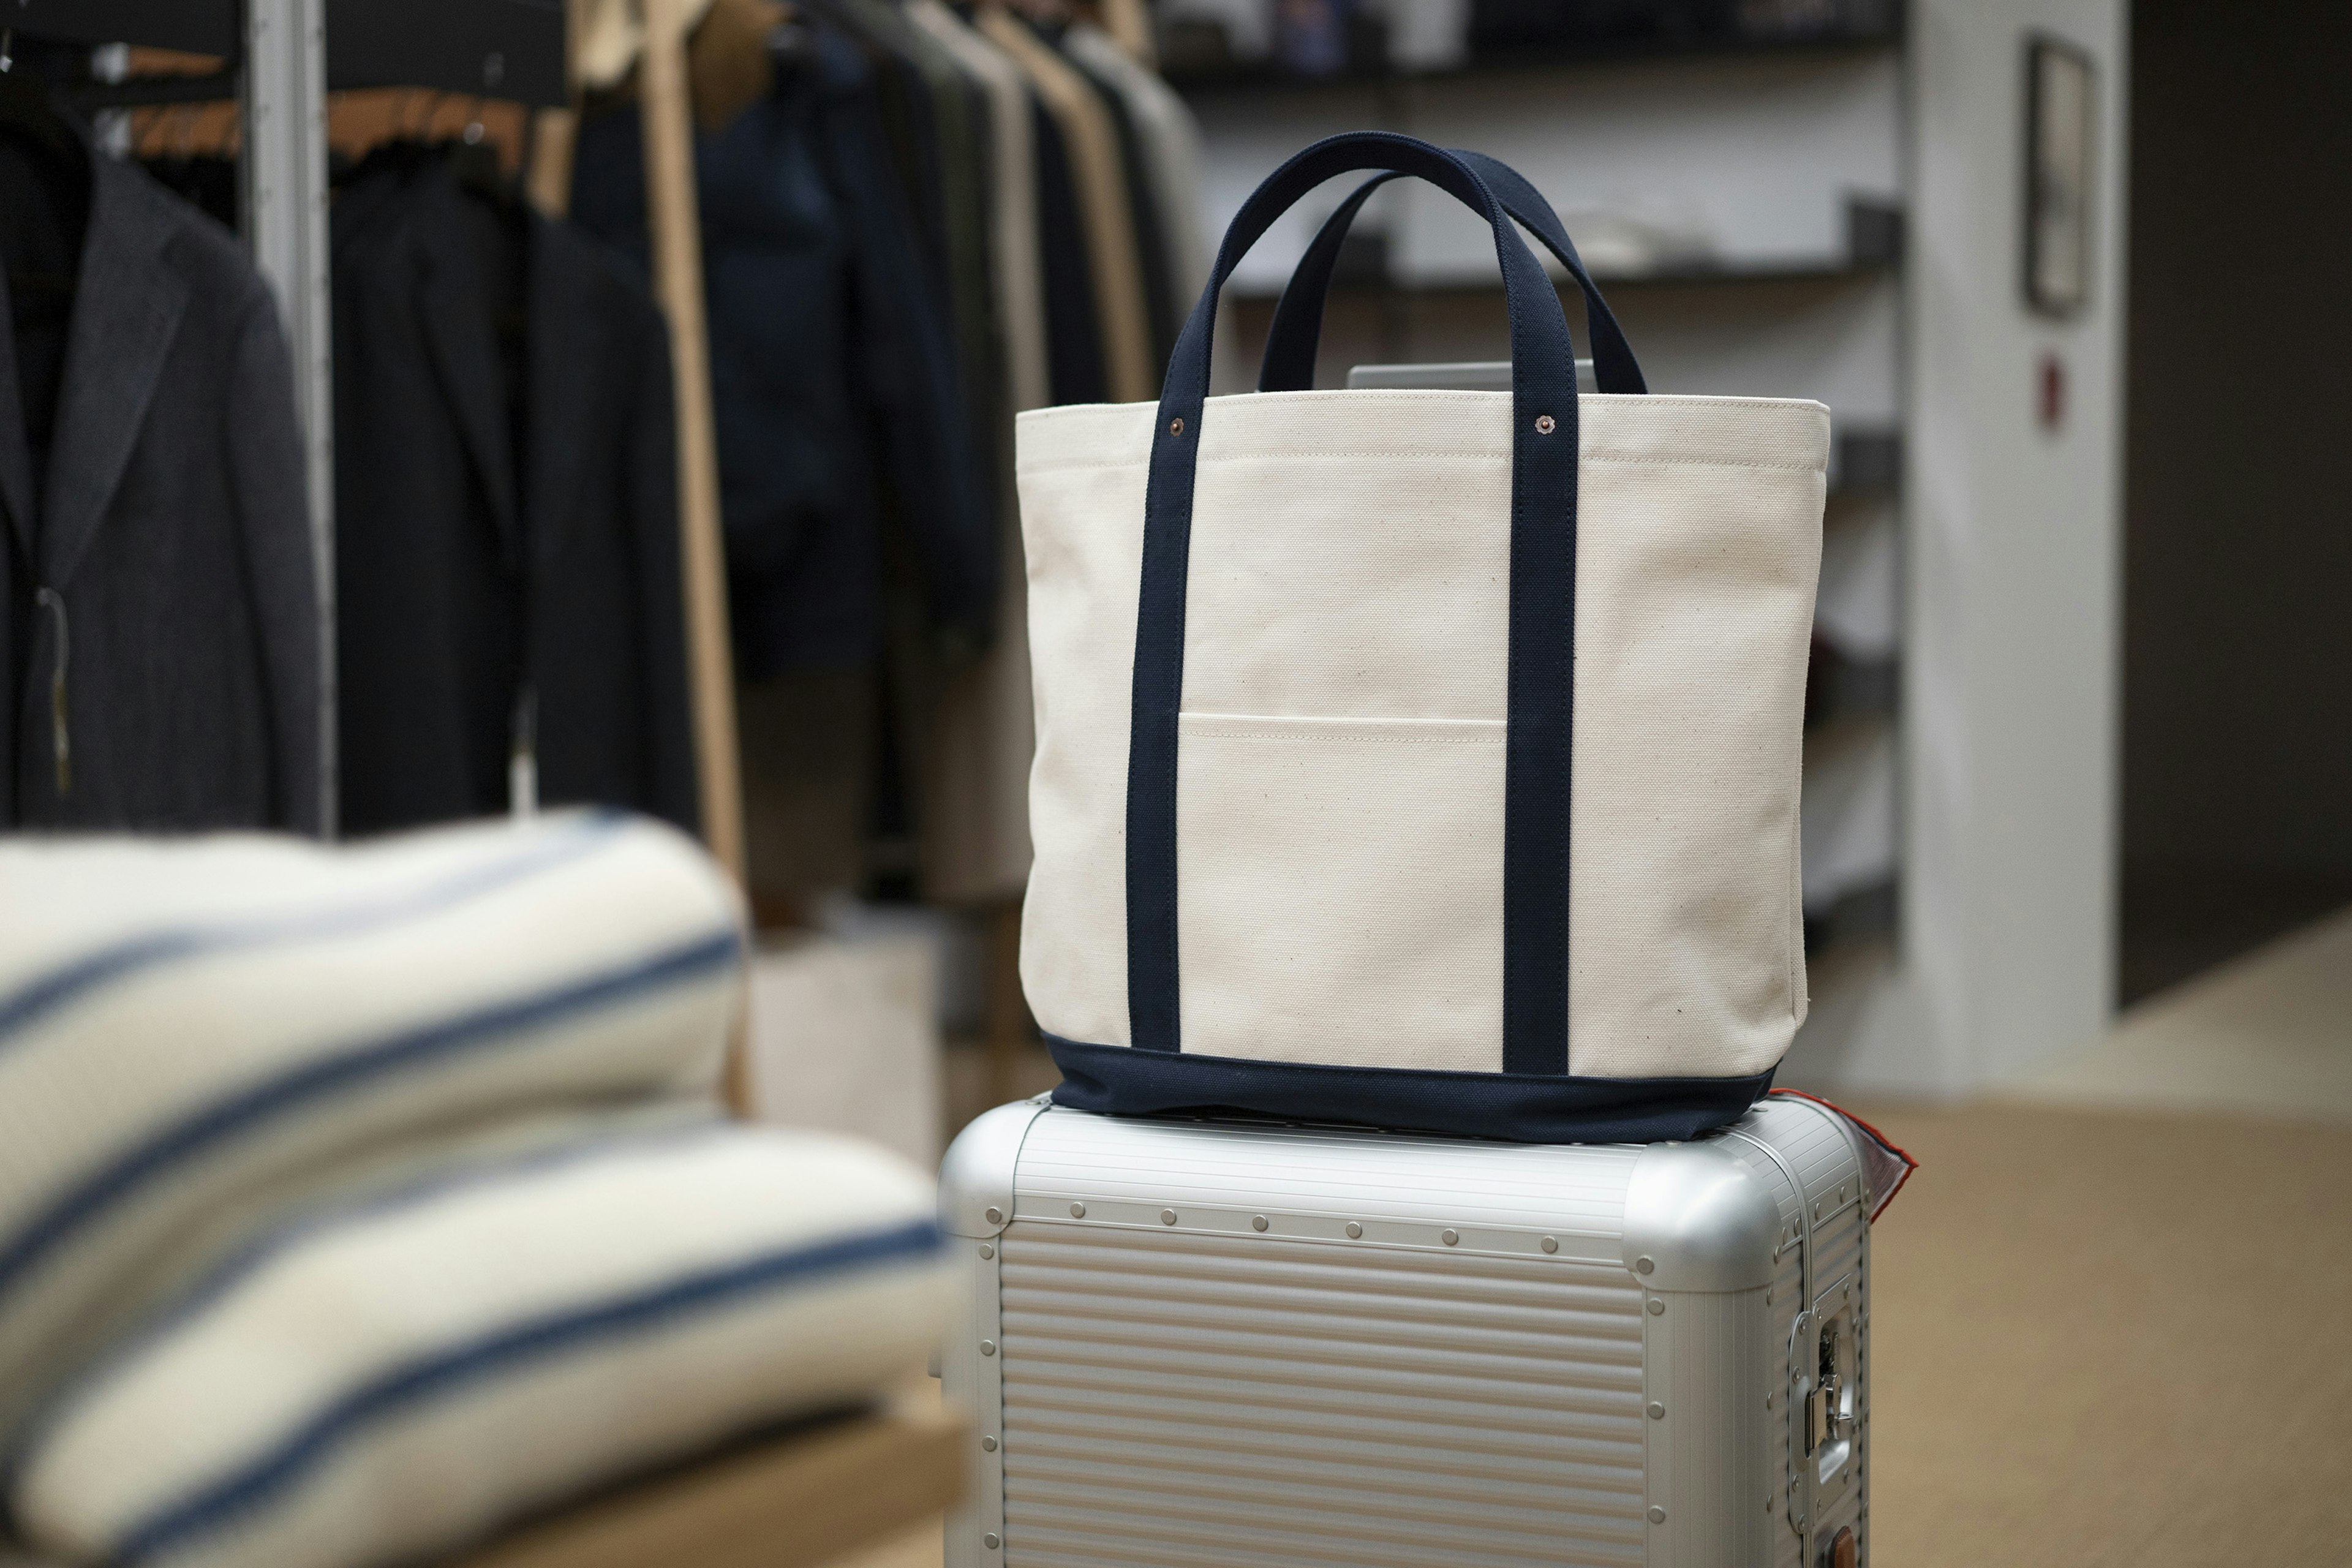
x,y
2113,1340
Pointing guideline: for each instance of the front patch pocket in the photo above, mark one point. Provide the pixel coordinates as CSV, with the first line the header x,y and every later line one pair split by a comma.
x,y
1340,890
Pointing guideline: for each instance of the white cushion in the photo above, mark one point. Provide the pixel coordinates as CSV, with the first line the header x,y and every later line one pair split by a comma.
x,y
196,1028
394,1379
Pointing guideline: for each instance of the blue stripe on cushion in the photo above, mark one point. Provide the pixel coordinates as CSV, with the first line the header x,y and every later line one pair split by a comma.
x,y
254,1254
39,997
349,1068
225,1274
516,1347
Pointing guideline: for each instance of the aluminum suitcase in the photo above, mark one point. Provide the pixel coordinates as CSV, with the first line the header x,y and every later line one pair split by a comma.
x,y
1224,1344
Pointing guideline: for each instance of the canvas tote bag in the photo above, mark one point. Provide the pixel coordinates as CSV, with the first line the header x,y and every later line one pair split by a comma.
x,y
1420,759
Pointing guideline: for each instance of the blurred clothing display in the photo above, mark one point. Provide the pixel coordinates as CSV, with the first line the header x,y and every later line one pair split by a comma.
x,y
507,555
1083,116
935,218
832,374
158,631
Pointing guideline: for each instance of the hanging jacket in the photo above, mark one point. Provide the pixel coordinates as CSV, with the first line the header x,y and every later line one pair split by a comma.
x,y
835,383
507,559
160,652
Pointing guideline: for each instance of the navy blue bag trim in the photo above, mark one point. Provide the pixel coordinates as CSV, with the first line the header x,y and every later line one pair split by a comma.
x,y
1290,341
1542,632
1518,1108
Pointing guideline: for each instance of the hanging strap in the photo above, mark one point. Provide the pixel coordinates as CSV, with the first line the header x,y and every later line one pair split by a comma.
x,y
1542,614
1298,326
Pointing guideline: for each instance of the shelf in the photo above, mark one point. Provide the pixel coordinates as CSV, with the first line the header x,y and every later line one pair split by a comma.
x,y
1865,462
1839,686
1862,915
1216,79
1873,247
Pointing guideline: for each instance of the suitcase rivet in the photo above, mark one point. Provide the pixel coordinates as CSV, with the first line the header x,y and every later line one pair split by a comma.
x,y
988,1347
1545,425
1657,1307
1657,1516
1643,1266
1077,1211
1354,1230
1657,1411
988,1445
1176,427
1767,1405
1447,1237
990,1541
1551,1244
1167,1216
986,1250
1257,1222
996,1217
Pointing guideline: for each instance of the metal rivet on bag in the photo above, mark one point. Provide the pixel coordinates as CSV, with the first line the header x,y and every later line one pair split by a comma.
x,y
1257,1222
1077,1211
988,1445
988,1347
986,1250
990,1541
1167,1216
996,1217
1657,1516
1544,425
1354,1230
1644,1266
1768,1402
1657,1411
1657,1307
1447,1237
1176,426
1551,1244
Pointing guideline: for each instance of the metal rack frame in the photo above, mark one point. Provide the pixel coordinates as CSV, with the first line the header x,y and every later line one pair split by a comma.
x,y
282,173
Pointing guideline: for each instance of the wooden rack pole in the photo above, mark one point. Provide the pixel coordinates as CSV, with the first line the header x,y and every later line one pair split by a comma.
x,y
677,275
676,229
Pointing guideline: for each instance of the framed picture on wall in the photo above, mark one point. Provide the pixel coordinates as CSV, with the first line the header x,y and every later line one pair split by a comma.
x,y
2059,123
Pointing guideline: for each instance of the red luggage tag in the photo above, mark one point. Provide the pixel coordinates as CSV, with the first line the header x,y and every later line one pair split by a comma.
x,y
1887,1166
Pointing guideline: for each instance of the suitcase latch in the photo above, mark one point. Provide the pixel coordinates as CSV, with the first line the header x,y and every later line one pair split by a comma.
x,y
1829,1414
1825,1417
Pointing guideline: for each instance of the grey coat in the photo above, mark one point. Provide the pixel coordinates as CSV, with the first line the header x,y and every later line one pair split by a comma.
x,y
166,571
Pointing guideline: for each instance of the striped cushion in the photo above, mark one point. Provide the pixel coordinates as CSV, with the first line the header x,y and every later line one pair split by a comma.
x,y
190,1029
381,1383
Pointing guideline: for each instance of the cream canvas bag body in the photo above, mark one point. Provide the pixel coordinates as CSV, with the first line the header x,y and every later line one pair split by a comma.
x,y
1421,759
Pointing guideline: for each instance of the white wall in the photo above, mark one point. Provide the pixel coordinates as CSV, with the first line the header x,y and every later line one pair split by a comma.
x,y
2010,698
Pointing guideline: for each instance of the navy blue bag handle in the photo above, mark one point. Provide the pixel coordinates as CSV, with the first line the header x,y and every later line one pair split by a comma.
x,y
1542,612
1290,342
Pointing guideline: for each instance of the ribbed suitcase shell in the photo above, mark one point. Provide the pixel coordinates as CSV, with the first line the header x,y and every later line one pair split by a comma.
x,y
1231,1344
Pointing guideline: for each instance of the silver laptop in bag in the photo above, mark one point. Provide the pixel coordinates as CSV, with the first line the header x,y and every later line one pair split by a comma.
x,y
1213,1343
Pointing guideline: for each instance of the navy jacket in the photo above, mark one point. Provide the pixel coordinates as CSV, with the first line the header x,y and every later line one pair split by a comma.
x,y
839,419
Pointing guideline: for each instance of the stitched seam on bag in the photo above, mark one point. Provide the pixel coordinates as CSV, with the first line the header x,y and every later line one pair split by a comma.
x,y
1494,740
1434,452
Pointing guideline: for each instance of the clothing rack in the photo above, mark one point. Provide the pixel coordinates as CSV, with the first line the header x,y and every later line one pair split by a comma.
x,y
284,57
